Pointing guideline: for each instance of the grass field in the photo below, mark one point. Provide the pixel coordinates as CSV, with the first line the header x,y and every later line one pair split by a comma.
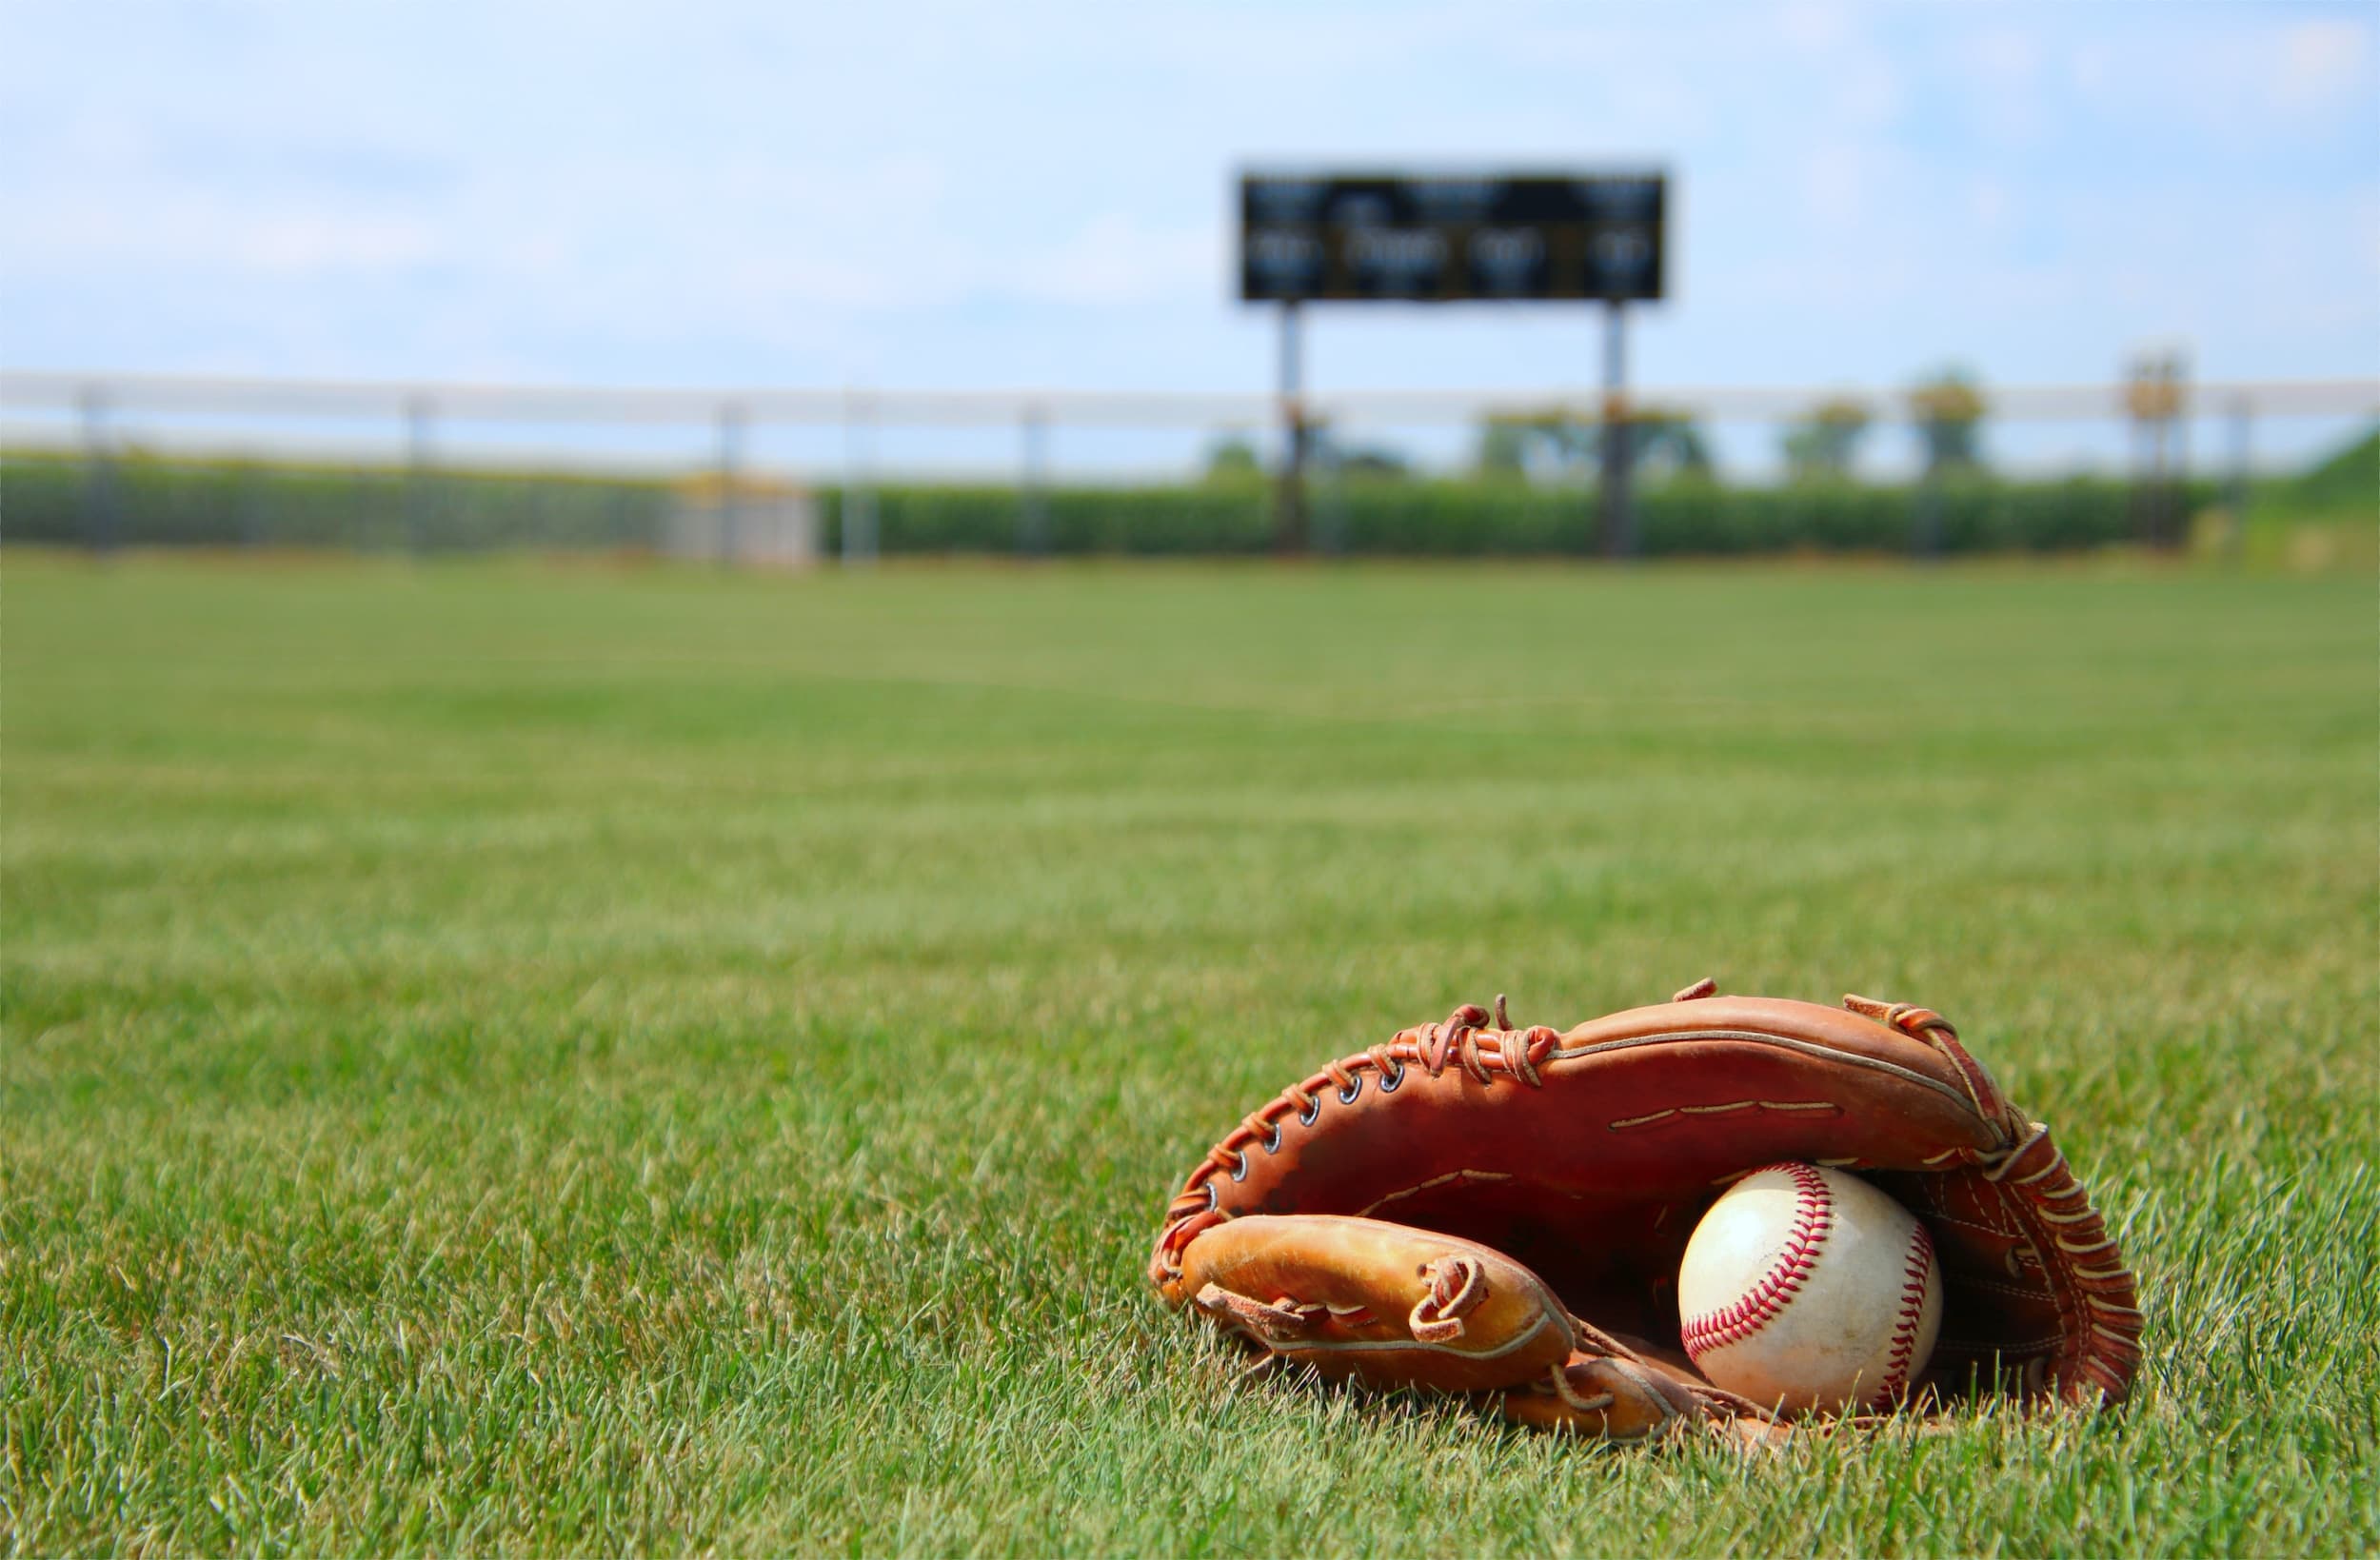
x,y
526,1059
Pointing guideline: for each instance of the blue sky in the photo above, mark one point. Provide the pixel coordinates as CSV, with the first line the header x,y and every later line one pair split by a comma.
x,y
908,195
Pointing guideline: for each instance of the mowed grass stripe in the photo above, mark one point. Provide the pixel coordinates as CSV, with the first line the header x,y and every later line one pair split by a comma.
x,y
529,1058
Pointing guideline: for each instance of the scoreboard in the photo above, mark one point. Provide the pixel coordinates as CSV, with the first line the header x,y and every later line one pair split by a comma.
x,y
1451,238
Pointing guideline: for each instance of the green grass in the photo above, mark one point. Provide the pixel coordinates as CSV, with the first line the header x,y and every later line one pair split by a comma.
x,y
521,1060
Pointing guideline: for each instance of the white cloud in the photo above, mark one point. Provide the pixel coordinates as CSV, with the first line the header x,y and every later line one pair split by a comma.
x,y
1991,204
1821,25
200,233
2004,67
953,195
1115,259
2321,62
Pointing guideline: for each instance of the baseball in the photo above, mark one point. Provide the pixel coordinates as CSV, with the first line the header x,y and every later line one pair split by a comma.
x,y
1808,1288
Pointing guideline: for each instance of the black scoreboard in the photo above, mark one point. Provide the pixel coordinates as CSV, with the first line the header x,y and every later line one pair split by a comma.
x,y
1451,238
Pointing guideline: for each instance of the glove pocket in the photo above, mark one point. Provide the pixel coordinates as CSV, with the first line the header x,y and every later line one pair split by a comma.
x,y
1382,1301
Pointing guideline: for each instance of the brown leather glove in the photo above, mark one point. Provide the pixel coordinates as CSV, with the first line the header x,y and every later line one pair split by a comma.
x,y
1477,1207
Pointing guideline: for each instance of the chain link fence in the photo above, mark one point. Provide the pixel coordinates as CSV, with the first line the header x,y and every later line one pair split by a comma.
x,y
783,477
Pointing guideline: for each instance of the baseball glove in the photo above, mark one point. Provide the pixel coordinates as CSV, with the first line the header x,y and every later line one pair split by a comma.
x,y
1477,1207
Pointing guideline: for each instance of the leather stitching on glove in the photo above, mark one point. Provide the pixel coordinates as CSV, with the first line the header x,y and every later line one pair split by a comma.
x,y
1599,1201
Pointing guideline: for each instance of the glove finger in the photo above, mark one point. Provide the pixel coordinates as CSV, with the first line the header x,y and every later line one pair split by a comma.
x,y
1617,1399
1359,1297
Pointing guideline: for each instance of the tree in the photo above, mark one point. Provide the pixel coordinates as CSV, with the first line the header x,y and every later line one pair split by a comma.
x,y
1824,445
1557,446
1232,459
1545,446
1368,460
1503,448
1948,409
1667,441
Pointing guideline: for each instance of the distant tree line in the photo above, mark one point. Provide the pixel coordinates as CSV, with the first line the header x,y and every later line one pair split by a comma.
x,y
1947,410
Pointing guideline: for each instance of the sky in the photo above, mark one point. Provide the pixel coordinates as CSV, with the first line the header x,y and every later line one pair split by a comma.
x,y
904,195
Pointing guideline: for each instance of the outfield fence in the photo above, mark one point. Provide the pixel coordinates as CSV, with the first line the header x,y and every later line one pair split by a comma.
x,y
104,462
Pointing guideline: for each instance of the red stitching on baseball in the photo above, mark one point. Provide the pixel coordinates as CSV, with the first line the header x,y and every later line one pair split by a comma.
x,y
1916,1269
1814,1215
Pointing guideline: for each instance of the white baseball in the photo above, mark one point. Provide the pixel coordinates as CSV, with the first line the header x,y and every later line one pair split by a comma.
x,y
1808,1287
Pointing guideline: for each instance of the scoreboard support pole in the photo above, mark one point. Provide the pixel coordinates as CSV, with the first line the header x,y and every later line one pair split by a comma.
x,y
1619,519
1289,504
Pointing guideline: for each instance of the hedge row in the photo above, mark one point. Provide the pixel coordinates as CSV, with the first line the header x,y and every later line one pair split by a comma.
x,y
145,502
1450,518
152,502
